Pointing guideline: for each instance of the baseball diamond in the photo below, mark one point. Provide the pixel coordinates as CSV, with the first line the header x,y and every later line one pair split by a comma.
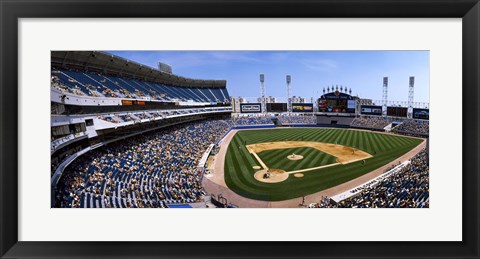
x,y
380,149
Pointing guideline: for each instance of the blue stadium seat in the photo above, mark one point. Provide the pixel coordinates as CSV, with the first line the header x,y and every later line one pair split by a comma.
x,y
111,86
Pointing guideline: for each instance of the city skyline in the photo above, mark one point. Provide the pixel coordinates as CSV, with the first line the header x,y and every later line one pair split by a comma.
x,y
311,71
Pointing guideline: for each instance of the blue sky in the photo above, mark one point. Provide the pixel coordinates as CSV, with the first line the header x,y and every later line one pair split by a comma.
x,y
311,71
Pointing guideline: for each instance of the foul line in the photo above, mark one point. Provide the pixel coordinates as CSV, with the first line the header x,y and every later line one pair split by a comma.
x,y
312,168
258,158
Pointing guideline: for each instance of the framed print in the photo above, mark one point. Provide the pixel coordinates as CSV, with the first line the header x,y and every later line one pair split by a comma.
x,y
257,129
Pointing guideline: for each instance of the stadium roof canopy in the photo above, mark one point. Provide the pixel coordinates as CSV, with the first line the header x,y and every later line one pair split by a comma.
x,y
101,62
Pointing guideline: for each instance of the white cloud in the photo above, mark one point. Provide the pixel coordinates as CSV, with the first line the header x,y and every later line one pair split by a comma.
x,y
195,59
192,59
320,64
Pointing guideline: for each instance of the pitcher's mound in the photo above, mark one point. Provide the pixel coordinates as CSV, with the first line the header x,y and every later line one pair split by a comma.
x,y
295,157
256,167
271,175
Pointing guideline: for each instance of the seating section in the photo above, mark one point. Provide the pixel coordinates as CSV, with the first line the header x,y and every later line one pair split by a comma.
x,y
252,120
407,188
372,122
413,127
129,116
138,116
297,119
405,126
147,171
98,85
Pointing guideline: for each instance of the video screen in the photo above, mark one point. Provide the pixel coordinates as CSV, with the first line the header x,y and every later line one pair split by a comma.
x,y
343,103
302,107
371,110
423,114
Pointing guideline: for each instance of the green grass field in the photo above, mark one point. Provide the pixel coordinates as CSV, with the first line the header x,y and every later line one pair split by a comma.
x,y
277,158
239,162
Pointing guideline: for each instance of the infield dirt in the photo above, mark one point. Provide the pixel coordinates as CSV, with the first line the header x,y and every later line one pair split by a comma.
x,y
343,154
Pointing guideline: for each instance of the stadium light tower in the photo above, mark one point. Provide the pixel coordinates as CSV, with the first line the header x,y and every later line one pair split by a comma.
x,y
289,102
385,96
410,97
262,92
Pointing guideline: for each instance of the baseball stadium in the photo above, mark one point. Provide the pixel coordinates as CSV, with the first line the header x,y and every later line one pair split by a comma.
x,y
128,135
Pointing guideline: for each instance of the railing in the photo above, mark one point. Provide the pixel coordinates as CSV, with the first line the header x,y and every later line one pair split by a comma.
x,y
203,160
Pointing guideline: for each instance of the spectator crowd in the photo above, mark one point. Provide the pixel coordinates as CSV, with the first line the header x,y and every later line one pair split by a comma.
x,y
405,188
371,122
252,120
149,170
405,126
413,127
297,119
138,116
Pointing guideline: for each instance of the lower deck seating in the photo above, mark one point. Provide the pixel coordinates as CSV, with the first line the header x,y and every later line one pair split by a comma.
x,y
407,188
147,171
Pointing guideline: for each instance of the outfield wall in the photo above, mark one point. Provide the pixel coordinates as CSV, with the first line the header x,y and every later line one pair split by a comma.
x,y
268,126
301,125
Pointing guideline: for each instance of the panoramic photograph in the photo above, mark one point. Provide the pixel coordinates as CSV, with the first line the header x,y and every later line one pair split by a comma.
x,y
239,129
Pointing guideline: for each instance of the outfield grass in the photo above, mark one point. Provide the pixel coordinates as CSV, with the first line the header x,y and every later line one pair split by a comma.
x,y
239,162
277,158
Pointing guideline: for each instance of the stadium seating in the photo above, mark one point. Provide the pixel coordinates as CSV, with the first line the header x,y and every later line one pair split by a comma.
x,y
295,119
150,170
406,126
413,127
252,120
376,122
138,116
98,85
406,188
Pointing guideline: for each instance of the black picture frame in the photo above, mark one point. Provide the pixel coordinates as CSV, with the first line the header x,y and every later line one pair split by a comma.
x,y
11,11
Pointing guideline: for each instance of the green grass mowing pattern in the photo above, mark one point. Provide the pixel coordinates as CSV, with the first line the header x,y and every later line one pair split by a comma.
x,y
277,158
239,162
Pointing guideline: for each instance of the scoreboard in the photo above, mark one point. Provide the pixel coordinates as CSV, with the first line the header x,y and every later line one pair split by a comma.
x,y
397,111
276,107
250,108
336,102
